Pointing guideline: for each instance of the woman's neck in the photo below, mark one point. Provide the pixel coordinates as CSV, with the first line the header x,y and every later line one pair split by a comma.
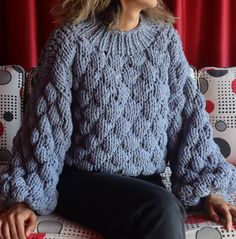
x,y
128,21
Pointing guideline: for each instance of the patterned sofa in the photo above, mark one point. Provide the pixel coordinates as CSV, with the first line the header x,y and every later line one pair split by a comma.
x,y
15,87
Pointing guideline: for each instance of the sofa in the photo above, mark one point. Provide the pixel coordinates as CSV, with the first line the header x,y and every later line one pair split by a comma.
x,y
218,86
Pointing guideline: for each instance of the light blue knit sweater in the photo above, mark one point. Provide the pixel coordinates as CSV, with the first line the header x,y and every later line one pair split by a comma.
x,y
115,102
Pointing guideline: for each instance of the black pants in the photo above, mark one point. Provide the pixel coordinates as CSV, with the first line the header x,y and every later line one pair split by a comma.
x,y
120,207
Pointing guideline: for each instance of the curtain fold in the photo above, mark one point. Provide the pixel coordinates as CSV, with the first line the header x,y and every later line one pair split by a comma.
x,y
207,29
24,28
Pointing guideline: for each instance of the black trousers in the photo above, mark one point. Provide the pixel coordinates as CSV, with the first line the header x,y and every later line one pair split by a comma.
x,y
120,207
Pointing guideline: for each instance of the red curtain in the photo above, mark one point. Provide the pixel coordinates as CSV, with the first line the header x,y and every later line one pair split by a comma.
x,y
207,29
24,28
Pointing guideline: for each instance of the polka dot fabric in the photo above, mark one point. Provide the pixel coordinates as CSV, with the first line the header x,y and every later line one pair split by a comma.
x,y
219,88
12,79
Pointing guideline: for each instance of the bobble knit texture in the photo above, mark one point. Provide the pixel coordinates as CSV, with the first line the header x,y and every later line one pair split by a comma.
x,y
116,102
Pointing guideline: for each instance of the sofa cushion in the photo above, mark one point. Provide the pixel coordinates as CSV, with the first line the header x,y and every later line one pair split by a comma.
x,y
219,88
12,81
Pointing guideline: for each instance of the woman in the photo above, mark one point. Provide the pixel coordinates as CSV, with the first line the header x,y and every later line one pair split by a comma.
x,y
113,97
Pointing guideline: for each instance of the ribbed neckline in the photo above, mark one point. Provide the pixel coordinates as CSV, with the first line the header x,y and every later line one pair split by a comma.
x,y
119,42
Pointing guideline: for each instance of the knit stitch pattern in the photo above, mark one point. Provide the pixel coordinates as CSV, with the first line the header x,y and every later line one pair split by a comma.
x,y
116,102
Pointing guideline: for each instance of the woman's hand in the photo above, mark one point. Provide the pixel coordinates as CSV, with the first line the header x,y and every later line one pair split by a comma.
x,y
17,222
217,208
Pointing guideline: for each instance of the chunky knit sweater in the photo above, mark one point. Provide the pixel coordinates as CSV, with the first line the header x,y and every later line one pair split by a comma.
x,y
115,102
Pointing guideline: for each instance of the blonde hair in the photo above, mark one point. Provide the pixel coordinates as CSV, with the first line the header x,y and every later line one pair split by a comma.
x,y
107,10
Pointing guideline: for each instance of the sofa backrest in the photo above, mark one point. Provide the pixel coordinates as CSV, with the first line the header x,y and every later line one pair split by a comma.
x,y
12,85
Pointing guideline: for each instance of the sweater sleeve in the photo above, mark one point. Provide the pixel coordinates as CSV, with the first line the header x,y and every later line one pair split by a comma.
x,y
41,143
198,167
